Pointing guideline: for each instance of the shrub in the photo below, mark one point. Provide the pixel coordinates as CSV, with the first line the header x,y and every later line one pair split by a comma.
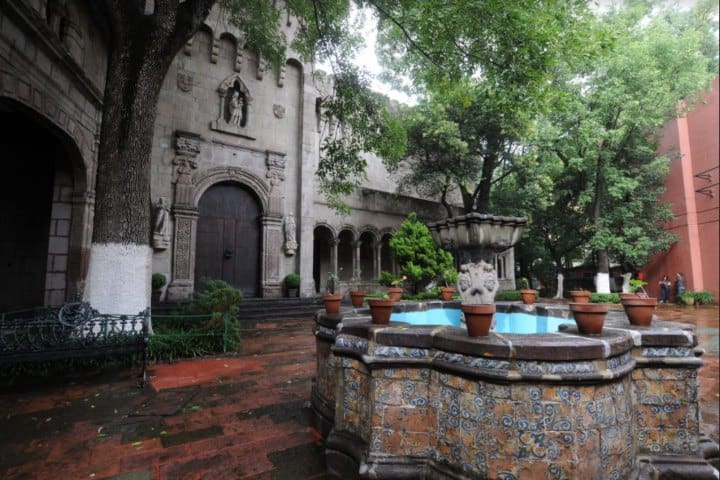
x,y
215,296
507,296
604,298
704,298
417,254
522,283
158,281
386,278
292,280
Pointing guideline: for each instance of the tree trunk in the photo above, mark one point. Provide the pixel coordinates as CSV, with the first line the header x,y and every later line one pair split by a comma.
x,y
142,47
490,161
602,278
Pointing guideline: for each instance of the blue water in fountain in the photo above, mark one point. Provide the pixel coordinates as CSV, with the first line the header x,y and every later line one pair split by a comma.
x,y
523,323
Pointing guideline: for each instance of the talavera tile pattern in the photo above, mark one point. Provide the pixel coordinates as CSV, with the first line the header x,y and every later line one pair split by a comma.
x,y
477,416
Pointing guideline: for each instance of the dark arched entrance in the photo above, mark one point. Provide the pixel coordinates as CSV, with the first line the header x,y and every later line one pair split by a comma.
x,y
322,250
35,210
228,237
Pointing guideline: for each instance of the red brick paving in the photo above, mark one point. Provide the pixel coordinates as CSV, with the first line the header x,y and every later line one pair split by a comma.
x,y
228,417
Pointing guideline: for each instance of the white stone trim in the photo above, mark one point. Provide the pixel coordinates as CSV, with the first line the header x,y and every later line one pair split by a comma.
x,y
602,283
118,279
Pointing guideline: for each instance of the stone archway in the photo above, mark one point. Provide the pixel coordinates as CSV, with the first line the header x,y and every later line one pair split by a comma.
x,y
228,237
45,212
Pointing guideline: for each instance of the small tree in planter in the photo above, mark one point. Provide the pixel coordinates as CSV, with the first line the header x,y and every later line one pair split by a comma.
x,y
528,295
419,257
292,284
449,278
639,307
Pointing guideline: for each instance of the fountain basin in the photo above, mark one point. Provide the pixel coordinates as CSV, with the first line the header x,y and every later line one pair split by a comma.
x,y
399,401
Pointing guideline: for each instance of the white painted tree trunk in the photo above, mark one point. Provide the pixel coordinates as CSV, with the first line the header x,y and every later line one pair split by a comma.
x,y
602,282
118,279
559,292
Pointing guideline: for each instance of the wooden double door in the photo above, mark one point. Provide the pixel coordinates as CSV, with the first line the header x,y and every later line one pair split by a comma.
x,y
229,238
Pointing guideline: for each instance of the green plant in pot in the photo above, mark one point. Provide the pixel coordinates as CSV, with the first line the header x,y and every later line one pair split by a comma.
x,y
638,307
449,278
157,281
292,284
528,295
331,299
357,295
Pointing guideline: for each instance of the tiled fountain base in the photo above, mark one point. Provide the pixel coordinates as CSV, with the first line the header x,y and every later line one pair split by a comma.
x,y
424,402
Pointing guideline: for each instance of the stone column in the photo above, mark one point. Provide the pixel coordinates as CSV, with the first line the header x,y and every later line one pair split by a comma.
x,y
187,147
83,211
334,255
183,273
377,264
356,260
271,253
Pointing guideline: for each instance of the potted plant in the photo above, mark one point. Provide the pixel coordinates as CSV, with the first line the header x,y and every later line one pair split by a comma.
x,y
528,295
580,296
357,295
589,317
687,298
158,281
638,306
394,284
478,318
449,277
292,284
381,309
331,299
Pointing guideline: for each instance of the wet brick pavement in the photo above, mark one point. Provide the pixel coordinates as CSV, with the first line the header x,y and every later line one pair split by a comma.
x,y
229,417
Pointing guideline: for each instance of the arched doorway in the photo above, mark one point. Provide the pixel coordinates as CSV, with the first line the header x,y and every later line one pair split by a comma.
x,y
346,252
36,210
323,241
228,237
367,257
387,262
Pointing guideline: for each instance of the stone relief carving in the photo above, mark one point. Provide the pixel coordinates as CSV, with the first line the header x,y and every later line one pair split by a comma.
x,y
234,108
276,168
278,111
185,80
483,276
161,228
289,228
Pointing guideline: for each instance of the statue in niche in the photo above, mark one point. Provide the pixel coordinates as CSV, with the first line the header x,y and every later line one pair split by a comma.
x,y
161,228
289,228
237,108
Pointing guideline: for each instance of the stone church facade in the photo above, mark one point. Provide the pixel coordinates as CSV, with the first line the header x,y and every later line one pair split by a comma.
x,y
235,149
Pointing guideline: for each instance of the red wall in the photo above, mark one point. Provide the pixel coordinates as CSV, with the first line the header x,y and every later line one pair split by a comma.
x,y
695,221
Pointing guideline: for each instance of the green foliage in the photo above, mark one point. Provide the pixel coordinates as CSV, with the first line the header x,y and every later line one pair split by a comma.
x,y
214,297
185,336
604,297
522,283
331,282
419,258
508,296
449,276
387,279
292,280
158,281
703,297
637,284
690,297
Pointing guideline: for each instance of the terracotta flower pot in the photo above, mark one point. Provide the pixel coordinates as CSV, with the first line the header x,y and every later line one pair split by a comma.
x,y
528,296
478,318
639,310
446,293
380,309
589,317
357,297
580,296
332,303
395,293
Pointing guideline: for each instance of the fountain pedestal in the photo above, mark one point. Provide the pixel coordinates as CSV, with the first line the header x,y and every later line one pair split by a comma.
x,y
475,239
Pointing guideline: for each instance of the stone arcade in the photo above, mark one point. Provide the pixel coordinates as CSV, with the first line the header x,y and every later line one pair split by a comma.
x,y
234,155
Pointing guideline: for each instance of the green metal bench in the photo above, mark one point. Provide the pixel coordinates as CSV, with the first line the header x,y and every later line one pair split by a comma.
x,y
75,330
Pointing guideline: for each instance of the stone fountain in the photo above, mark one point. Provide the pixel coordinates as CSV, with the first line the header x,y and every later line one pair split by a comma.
x,y
475,239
